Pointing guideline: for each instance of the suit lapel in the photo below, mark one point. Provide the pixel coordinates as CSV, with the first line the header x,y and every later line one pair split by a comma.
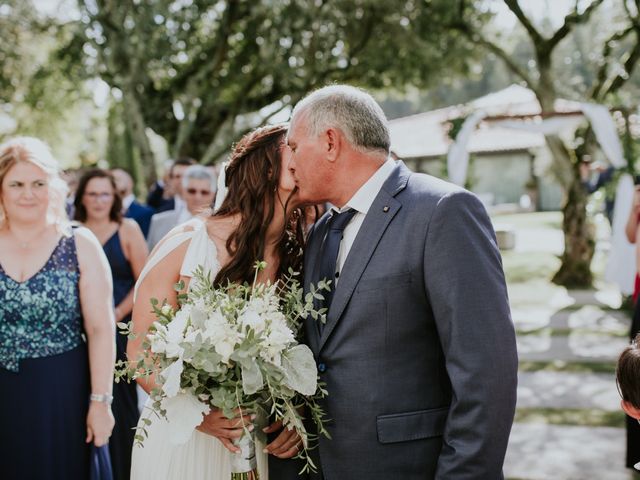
x,y
383,209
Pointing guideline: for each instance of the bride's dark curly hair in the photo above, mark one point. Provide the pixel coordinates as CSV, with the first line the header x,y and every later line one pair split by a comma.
x,y
252,178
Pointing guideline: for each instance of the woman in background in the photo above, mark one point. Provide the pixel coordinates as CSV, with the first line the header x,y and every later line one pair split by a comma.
x,y
99,207
56,328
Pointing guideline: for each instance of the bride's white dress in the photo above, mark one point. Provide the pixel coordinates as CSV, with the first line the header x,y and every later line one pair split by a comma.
x,y
203,457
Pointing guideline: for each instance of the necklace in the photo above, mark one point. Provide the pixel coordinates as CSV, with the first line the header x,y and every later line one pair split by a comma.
x,y
24,244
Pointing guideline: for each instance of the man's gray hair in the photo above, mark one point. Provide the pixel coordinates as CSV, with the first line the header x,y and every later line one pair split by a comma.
x,y
198,172
349,109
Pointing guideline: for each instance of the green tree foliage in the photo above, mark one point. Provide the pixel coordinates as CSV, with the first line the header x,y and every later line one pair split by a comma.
x,y
200,73
41,87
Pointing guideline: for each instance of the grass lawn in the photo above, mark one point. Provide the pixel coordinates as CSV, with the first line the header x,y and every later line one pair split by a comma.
x,y
531,264
521,267
551,220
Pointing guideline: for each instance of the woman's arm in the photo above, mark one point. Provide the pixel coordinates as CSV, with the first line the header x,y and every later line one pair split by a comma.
x,y
638,250
136,252
632,222
159,284
96,299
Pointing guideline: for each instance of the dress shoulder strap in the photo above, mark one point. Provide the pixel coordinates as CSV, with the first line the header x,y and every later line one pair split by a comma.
x,y
201,250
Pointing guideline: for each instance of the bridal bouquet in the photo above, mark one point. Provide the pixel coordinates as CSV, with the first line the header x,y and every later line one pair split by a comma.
x,y
228,348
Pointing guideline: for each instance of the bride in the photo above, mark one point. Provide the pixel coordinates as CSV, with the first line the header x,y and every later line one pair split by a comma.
x,y
259,219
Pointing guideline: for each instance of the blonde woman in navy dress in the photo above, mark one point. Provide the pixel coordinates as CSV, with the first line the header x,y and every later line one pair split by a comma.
x,y
56,325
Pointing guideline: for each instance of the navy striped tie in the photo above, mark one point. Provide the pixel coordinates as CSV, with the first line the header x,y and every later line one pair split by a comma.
x,y
329,251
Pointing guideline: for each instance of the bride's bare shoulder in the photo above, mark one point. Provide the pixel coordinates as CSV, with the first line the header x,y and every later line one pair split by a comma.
x,y
220,228
190,226
169,262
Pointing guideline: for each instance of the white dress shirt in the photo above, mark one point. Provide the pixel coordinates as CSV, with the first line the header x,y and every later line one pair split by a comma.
x,y
361,202
179,203
184,215
127,201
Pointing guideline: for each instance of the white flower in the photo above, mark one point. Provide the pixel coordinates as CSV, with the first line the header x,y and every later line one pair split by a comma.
x,y
277,321
277,340
280,336
190,336
166,309
225,348
171,376
198,313
219,333
175,332
184,414
158,339
259,304
213,325
252,319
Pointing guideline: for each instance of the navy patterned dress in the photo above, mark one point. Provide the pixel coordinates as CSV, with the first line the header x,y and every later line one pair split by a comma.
x,y
44,372
125,398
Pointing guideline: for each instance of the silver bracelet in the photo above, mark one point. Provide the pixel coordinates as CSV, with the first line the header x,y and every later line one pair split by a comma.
x,y
103,398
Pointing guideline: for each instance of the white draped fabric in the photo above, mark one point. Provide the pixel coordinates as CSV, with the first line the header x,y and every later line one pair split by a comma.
x,y
598,115
558,125
605,131
458,156
621,265
221,191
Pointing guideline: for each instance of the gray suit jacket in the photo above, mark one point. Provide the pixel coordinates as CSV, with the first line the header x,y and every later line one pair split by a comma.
x,y
161,224
418,352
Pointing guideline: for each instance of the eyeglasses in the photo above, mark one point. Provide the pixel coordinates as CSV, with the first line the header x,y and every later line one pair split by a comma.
x,y
99,196
194,191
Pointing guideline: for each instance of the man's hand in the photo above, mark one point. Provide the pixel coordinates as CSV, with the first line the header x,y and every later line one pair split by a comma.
x,y
286,445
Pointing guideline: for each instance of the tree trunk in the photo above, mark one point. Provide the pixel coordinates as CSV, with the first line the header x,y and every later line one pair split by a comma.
x,y
137,127
579,244
121,150
135,168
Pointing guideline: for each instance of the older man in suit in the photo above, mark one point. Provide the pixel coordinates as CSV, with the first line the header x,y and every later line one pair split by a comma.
x,y
158,199
418,350
198,190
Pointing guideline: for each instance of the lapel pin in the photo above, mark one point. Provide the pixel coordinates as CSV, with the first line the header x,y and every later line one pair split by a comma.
x,y
385,209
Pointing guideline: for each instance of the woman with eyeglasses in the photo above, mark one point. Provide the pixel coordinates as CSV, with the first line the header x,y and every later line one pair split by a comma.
x,y
98,207
56,326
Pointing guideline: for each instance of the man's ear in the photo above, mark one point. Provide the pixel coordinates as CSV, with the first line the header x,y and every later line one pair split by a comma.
x,y
630,409
333,138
